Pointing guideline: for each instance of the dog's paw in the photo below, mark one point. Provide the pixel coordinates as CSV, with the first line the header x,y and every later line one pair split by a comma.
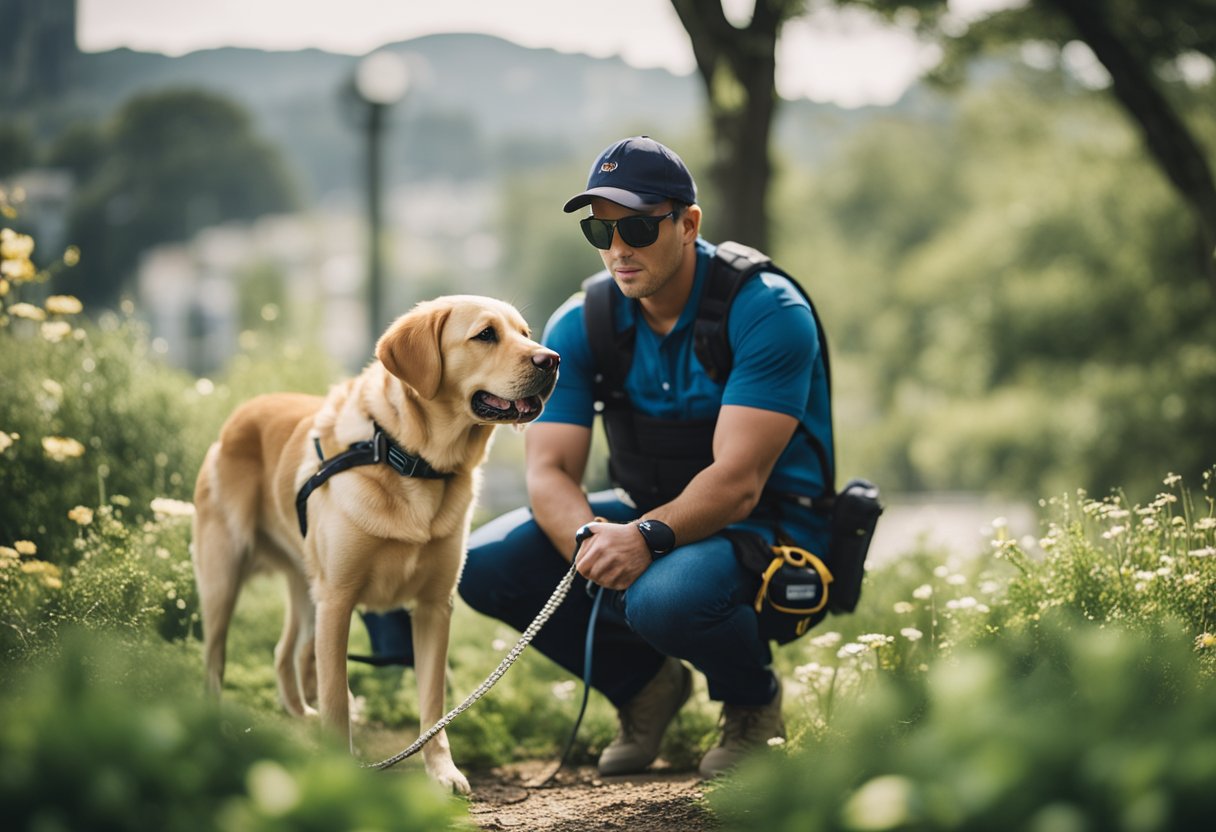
x,y
448,776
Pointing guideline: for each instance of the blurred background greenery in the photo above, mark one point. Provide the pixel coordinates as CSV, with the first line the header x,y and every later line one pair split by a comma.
x,y
1014,265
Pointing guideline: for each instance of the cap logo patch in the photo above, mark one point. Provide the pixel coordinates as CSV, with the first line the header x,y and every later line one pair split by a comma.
x,y
608,167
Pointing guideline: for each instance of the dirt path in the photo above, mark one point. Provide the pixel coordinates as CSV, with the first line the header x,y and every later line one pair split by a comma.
x,y
581,801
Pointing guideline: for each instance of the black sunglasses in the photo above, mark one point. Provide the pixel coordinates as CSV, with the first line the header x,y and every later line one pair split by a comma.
x,y
636,232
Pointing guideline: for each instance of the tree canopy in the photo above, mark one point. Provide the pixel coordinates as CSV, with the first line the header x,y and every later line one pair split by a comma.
x,y
169,164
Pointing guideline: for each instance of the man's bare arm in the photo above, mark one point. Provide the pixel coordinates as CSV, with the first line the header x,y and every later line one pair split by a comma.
x,y
556,457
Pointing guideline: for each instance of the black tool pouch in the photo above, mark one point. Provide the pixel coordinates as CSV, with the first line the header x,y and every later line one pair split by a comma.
x,y
854,516
795,586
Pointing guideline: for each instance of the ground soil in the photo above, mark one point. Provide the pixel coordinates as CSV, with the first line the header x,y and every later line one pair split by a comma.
x,y
579,800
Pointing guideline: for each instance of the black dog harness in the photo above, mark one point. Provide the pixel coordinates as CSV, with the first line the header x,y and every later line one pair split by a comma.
x,y
381,448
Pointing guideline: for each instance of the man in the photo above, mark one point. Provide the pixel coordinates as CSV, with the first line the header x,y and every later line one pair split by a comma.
x,y
675,593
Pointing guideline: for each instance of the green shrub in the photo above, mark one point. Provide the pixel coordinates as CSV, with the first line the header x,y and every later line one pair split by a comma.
x,y
108,740
1059,726
1113,563
94,414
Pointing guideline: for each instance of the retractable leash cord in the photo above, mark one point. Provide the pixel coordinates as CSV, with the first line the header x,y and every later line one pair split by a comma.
x,y
546,612
583,534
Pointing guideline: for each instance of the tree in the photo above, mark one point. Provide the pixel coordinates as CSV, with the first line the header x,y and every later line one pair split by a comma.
x,y
1139,43
738,68
174,162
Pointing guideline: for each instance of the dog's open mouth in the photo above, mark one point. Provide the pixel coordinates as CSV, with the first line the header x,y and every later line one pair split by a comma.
x,y
494,409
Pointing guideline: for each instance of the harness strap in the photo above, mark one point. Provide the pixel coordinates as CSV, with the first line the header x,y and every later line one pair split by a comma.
x,y
380,448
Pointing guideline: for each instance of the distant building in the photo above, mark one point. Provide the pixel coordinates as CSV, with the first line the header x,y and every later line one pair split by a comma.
x,y
304,275
37,47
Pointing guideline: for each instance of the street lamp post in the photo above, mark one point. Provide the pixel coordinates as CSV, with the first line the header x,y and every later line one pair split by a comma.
x,y
381,80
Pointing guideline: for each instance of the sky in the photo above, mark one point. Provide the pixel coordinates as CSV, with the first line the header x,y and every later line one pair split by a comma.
x,y
844,58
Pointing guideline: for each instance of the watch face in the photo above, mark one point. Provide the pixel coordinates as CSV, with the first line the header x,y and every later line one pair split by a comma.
x,y
659,536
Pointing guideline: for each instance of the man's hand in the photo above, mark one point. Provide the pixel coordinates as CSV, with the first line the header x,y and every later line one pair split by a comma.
x,y
614,555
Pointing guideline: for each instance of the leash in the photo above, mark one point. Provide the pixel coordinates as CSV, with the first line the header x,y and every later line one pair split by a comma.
x,y
582,710
546,612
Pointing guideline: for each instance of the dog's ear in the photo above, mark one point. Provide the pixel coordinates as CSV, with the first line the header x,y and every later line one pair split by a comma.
x,y
410,349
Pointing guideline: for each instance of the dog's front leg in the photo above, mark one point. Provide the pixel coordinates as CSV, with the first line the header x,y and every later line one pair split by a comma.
x,y
432,623
333,634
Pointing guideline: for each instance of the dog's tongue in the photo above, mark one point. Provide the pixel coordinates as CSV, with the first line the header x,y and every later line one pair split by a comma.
x,y
494,401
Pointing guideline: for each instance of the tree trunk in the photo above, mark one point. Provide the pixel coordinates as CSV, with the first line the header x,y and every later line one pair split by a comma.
x,y
738,68
1168,139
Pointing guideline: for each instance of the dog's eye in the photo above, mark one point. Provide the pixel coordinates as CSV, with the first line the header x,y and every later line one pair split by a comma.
x,y
488,334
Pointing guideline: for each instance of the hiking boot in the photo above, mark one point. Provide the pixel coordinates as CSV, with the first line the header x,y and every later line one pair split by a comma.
x,y
645,718
744,730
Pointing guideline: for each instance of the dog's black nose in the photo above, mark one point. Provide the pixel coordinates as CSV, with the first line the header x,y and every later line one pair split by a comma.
x,y
547,360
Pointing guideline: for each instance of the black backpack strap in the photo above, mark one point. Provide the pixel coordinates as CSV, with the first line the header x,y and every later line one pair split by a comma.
x,y
732,265
611,351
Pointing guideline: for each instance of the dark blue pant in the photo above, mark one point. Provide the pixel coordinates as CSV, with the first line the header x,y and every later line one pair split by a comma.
x,y
694,604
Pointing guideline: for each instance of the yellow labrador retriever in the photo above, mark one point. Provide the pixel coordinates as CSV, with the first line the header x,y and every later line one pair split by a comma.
x,y
386,531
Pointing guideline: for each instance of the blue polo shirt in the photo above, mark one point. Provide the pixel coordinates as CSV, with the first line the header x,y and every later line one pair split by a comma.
x,y
777,366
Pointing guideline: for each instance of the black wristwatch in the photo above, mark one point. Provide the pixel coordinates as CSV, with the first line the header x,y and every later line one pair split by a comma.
x,y
658,535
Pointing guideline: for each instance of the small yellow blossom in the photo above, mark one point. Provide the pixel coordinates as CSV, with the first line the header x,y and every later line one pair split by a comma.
x,y
71,255
26,547
14,246
81,515
8,556
28,311
49,573
1205,640
6,441
165,507
56,331
63,305
61,448
3,287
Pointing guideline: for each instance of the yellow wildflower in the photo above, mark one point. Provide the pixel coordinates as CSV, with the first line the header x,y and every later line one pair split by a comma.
x,y
60,448
63,305
14,246
19,271
8,556
81,515
71,255
56,331
3,287
26,547
1204,641
49,573
165,507
6,441
28,311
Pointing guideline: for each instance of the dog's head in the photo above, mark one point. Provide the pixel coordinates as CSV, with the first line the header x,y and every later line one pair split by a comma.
x,y
473,350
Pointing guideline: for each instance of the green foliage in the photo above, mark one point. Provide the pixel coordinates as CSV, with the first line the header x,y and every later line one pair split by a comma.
x,y
1060,726
1018,691
17,151
1006,317
1135,565
174,162
108,739
97,416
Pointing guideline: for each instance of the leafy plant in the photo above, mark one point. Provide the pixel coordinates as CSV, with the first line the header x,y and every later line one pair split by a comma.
x,y
105,738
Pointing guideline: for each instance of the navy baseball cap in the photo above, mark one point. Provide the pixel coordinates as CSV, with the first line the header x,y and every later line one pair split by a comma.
x,y
638,173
